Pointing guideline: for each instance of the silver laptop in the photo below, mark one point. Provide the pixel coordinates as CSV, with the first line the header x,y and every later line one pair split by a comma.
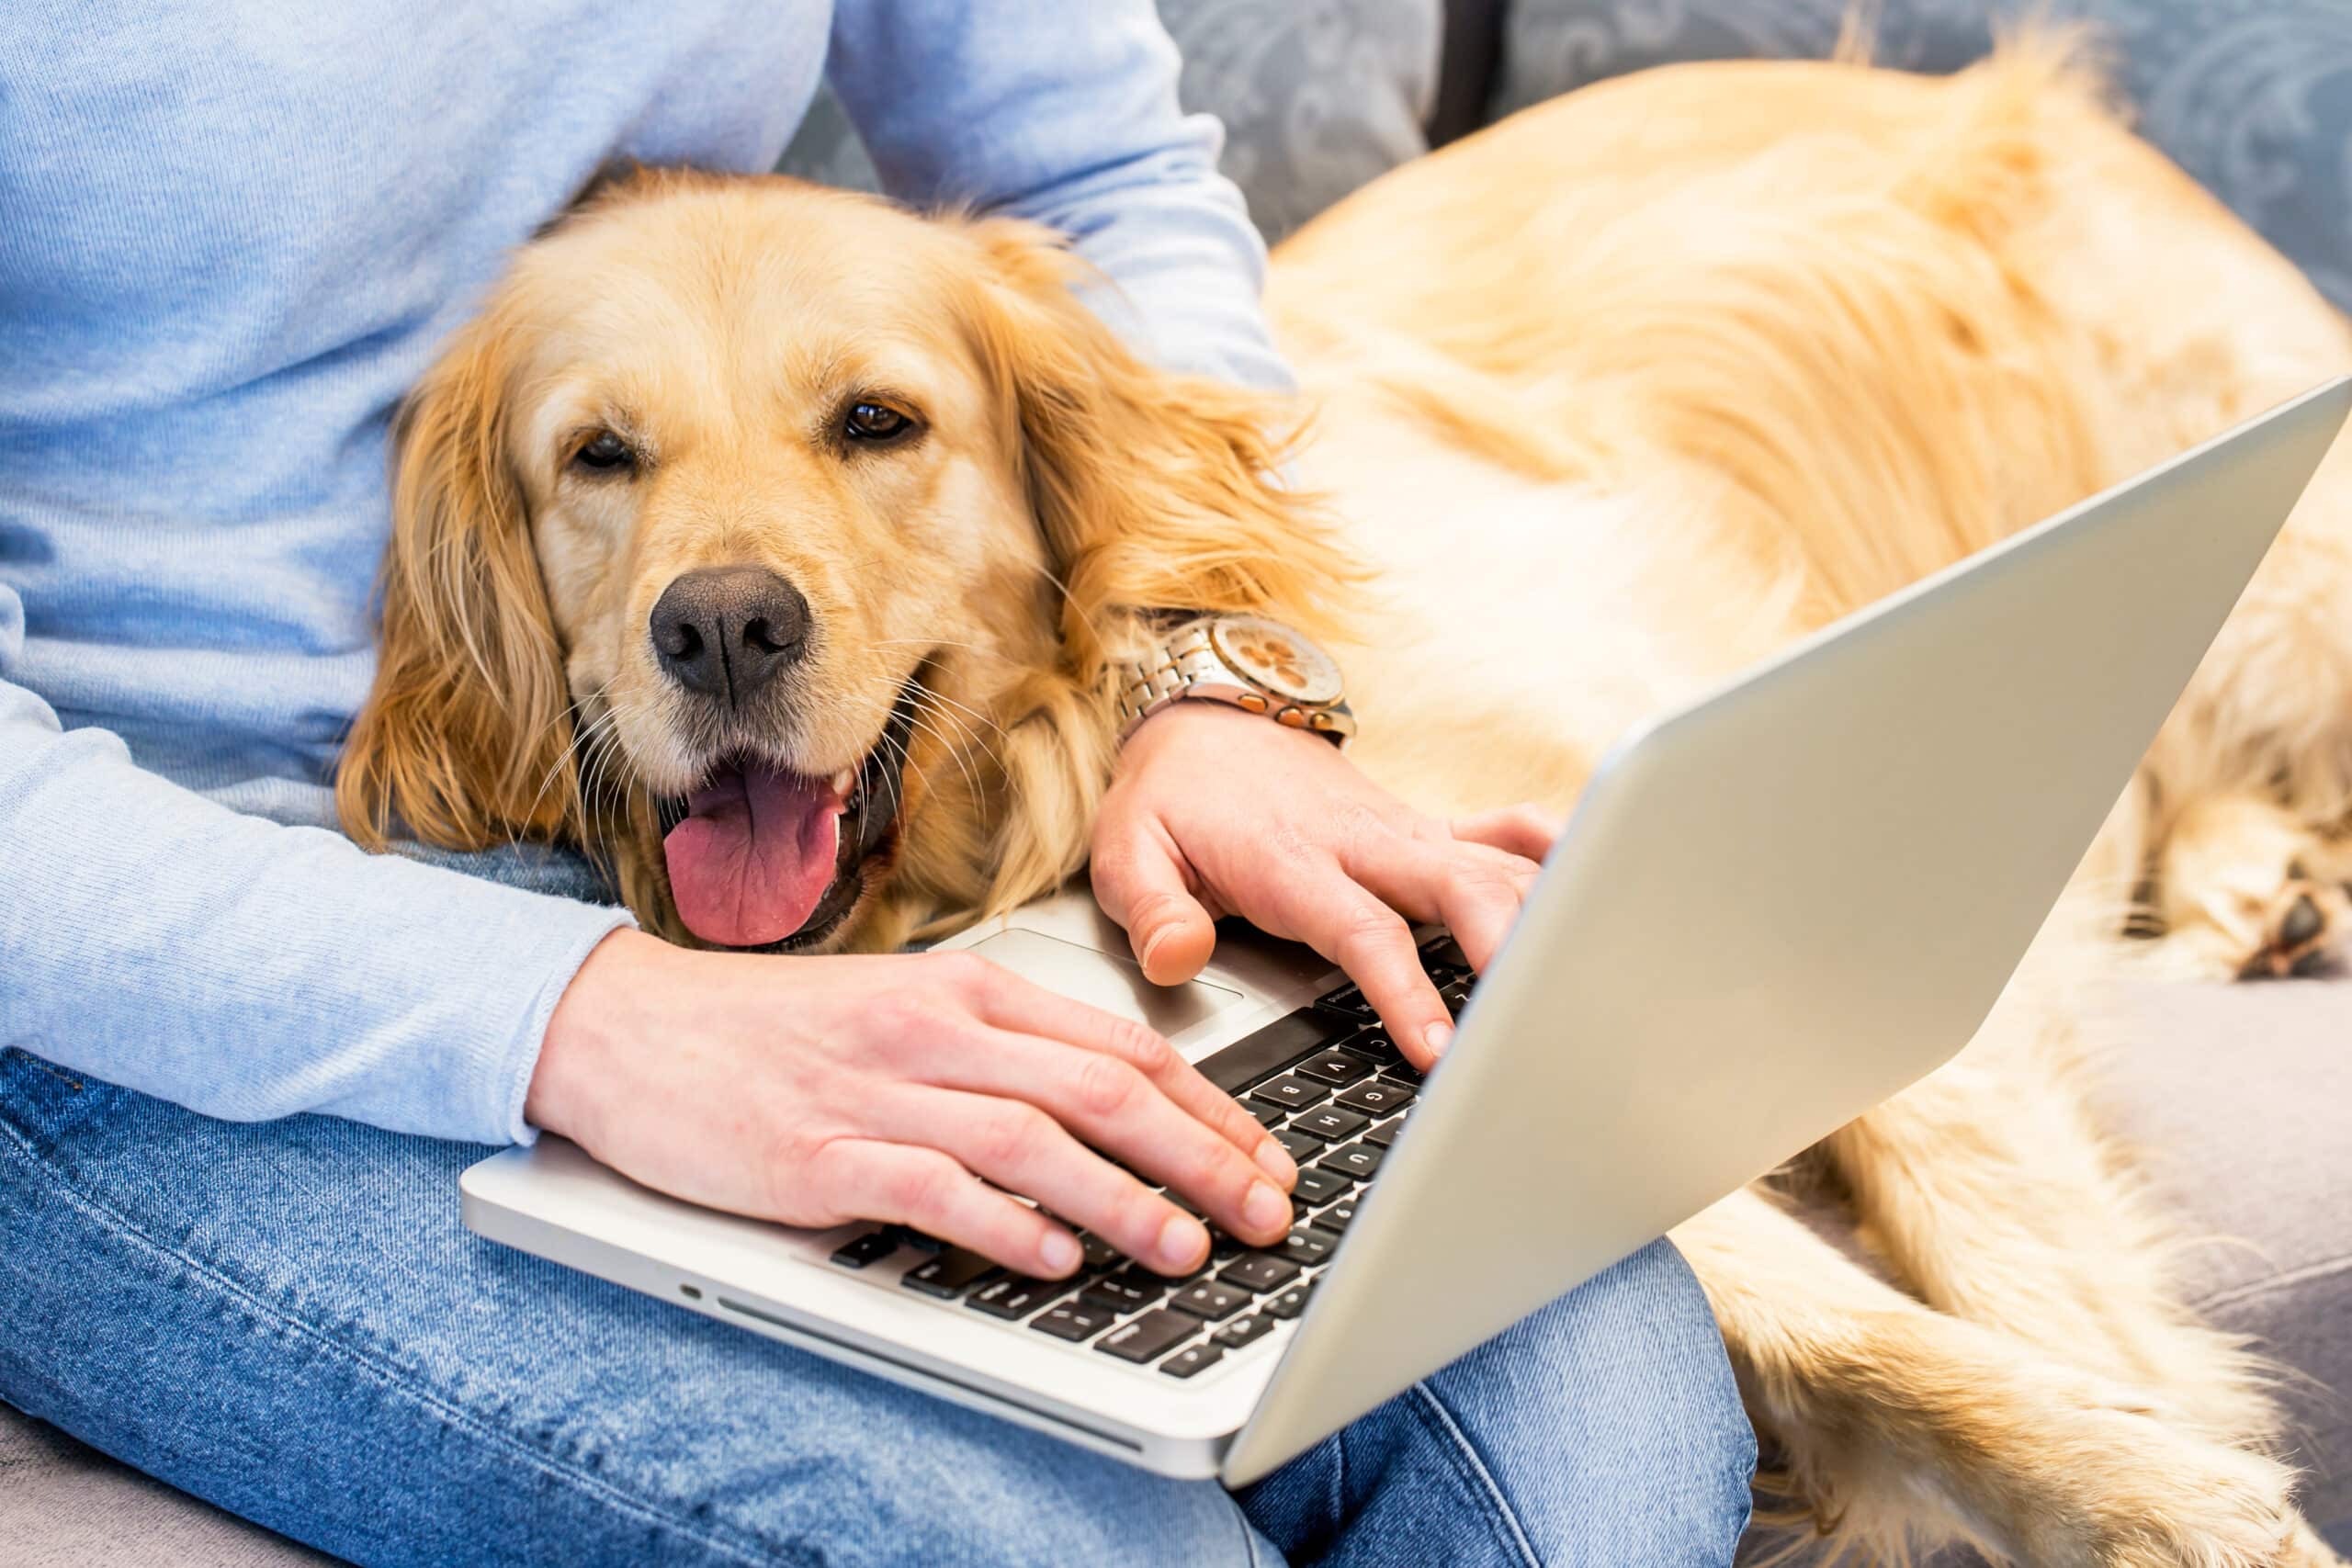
x,y
1772,910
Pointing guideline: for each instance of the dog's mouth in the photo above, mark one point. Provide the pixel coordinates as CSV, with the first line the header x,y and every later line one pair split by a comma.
x,y
763,857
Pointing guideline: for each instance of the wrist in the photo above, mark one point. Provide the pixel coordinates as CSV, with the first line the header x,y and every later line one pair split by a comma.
x,y
1190,724
589,1035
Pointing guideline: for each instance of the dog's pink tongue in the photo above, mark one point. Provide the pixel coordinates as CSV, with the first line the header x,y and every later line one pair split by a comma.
x,y
757,851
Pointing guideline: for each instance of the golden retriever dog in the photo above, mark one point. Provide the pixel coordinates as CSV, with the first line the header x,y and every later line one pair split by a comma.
x,y
1611,400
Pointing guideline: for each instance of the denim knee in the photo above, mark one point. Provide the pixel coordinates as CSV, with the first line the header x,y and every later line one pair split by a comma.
x,y
1609,1422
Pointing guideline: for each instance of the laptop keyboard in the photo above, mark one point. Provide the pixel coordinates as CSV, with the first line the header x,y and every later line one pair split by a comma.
x,y
1327,1082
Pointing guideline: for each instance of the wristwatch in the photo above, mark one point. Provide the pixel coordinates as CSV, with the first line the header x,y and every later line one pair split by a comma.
x,y
1258,665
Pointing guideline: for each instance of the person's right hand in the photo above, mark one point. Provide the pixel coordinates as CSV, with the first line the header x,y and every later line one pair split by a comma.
x,y
814,1091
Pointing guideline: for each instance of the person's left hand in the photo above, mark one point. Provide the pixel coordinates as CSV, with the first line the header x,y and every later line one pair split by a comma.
x,y
1214,811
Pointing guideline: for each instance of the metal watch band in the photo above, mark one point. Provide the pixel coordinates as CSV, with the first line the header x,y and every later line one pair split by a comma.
x,y
1167,670
1172,670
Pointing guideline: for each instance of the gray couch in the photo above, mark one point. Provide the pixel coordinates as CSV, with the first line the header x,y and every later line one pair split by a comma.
x,y
2241,1098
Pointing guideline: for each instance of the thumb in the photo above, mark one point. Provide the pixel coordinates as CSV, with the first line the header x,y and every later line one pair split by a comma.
x,y
1141,885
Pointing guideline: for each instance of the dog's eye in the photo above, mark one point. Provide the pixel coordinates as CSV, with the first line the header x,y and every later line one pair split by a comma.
x,y
874,422
608,454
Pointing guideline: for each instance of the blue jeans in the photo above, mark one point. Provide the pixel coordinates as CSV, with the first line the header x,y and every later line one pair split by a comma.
x,y
288,1319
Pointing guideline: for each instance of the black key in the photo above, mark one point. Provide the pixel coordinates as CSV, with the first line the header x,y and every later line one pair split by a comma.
x,y
1268,1113
871,1247
1404,1075
947,1275
1456,997
1374,1045
1135,1286
1338,1218
1076,1320
1094,1298
1261,1272
1306,1247
1348,1002
1291,1302
1277,1045
1098,1254
1332,1124
1183,1203
1016,1296
1376,1097
1333,1066
1300,1146
1318,1186
1212,1299
1385,1134
1291,1092
908,1236
1359,1160
1191,1360
1150,1336
1243,1331
1444,953
1224,1249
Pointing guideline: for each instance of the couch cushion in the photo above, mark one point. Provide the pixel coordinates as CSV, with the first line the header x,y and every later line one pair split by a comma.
x,y
2256,100
2238,1100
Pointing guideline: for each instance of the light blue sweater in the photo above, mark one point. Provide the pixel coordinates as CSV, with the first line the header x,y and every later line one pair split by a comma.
x,y
231,234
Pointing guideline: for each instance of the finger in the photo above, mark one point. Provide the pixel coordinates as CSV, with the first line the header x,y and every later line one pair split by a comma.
x,y
1044,1090
1475,891
1023,1150
924,1188
1525,831
1139,881
1028,1009
1319,904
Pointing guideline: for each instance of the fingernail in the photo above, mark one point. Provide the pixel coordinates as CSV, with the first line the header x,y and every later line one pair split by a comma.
x,y
1059,1252
1437,1037
1264,1208
1182,1240
1151,944
1275,1161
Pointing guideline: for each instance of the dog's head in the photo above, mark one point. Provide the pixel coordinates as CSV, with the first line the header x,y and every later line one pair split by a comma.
x,y
769,540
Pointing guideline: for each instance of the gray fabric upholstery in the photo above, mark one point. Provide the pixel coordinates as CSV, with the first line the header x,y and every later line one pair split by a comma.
x,y
2238,1101
2252,96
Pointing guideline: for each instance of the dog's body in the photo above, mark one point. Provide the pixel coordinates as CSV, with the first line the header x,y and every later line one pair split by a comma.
x,y
1778,340
1771,341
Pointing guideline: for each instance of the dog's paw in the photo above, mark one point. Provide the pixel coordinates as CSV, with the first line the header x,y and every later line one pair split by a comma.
x,y
2244,891
2302,927
2185,1502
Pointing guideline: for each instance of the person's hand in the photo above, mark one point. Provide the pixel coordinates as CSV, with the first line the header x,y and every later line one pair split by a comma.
x,y
1214,811
814,1091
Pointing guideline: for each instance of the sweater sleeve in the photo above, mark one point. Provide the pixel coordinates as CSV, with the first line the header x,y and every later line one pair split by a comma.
x,y
1068,115
157,940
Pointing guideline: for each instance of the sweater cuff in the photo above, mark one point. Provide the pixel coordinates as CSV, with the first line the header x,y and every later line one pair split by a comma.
x,y
509,1085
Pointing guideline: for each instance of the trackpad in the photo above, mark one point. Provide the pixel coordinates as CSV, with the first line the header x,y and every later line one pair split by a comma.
x,y
1103,980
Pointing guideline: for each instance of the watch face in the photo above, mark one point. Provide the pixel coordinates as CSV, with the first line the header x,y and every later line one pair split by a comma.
x,y
1271,655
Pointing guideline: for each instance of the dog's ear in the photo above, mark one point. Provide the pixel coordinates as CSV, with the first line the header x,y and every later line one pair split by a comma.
x,y
1154,490
466,738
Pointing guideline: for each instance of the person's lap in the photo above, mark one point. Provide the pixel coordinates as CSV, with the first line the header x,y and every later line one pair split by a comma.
x,y
288,1320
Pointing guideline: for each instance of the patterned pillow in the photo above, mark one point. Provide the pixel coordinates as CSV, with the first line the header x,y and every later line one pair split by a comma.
x,y
1317,97
2252,96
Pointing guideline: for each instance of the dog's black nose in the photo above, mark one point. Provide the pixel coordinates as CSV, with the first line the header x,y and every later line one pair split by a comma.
x,y
725,631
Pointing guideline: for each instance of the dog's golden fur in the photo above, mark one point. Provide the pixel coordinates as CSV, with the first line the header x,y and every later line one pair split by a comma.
x,y
1613,398
1059,490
